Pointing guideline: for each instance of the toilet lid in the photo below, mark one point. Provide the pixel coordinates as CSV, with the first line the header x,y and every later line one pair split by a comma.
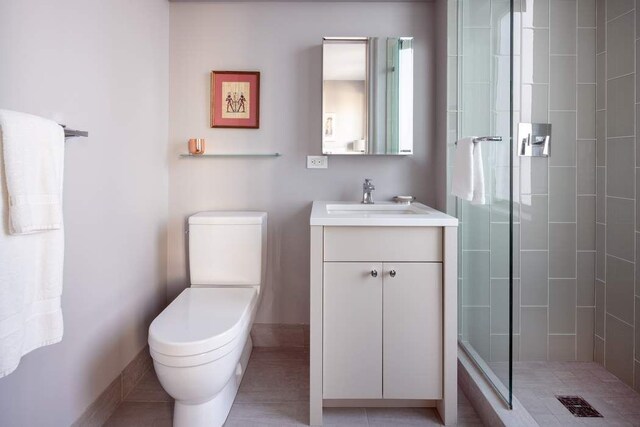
x,y
201,320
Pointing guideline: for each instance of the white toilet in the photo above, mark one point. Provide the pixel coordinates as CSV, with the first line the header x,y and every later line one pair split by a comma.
x,y
200,344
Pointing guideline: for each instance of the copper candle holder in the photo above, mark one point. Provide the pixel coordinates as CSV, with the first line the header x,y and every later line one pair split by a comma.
x,y
196,146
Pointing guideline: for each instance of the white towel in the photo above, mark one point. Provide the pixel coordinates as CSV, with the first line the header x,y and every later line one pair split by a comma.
x,y
33,157
32,237
468,173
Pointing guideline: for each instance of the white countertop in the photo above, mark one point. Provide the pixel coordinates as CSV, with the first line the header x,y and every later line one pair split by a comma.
x,y
388,214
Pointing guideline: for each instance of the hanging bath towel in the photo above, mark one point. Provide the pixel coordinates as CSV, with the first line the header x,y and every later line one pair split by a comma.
x,y
468,174
32,237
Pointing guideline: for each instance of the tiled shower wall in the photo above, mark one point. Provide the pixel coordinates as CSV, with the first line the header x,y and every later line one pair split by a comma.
x,y
554,198
557,194
617,287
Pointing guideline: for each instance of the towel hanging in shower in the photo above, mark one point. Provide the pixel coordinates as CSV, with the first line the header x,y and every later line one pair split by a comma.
x,y
468,173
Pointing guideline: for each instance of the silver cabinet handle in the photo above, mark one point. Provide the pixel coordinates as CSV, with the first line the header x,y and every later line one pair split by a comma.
x,y
374,273
392,273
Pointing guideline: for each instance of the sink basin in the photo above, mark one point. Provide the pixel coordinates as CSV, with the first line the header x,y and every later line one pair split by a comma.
x,y
378,214
375,209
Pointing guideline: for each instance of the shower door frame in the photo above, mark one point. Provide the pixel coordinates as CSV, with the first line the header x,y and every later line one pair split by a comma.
x,y
505,391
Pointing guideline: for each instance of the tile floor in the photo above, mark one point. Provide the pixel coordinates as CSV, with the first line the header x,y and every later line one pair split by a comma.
x,y
537,383
275,391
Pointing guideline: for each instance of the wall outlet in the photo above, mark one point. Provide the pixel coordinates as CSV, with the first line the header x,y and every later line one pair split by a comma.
x,y
317,162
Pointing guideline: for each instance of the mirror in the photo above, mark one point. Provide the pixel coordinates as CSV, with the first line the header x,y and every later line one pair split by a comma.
x,y
367,96
344,96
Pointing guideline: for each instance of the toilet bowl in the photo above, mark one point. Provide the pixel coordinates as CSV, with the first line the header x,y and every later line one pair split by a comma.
x,y
200,343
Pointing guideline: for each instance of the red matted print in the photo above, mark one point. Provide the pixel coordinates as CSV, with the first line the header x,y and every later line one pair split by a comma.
x,y
235,99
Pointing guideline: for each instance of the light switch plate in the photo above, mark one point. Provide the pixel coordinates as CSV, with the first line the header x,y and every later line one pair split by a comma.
x,y
317,162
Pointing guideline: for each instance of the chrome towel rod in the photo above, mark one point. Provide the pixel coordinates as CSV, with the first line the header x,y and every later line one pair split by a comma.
x,y
484,138
487,138
72,133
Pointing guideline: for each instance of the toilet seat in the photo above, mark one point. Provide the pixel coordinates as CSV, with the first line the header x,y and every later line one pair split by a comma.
x,y
201,325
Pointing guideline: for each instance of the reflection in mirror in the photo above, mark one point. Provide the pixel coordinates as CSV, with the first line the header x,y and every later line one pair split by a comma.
x,y
344,92
400,95
367,96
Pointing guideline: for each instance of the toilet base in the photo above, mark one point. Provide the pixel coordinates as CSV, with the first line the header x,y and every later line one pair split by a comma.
x,y
214,412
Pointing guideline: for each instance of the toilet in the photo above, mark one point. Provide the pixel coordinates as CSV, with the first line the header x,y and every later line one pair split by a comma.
x,y
200,343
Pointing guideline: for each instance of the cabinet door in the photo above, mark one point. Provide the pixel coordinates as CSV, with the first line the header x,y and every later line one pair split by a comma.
x,y
352,342
412,319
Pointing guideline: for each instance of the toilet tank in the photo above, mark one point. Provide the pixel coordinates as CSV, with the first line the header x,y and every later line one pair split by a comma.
x,y
227,248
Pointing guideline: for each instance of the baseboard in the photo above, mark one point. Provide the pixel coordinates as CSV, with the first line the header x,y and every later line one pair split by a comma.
x,y
493,411
378,403
280,335
103,407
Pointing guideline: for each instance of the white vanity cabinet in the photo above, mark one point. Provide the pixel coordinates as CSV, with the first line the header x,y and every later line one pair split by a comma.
x,y
382,330
352,347
412,331
383,317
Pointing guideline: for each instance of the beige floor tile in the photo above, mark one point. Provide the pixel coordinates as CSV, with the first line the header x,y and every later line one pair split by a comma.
x,y
267,335
568,419
545,420
247,423
344,417
536,385
601,406
535,405
605,422
554,406
142,414
275,392
275,353
148,389
624,405
402,417
275,376
280,414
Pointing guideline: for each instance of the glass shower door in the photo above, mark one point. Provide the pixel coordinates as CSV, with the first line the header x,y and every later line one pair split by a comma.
x,y
484,107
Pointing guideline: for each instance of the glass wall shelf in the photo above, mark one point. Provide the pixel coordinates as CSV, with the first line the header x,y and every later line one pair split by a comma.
x,y
233,155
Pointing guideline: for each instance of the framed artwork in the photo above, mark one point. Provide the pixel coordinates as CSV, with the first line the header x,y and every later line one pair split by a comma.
x,y
235,99
329,127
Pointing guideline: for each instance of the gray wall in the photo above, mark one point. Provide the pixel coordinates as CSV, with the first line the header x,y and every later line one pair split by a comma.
x,y
617,316
283,42
442,28
103,67
554,198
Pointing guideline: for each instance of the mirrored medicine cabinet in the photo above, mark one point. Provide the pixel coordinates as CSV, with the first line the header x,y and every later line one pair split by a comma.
x,y
367,96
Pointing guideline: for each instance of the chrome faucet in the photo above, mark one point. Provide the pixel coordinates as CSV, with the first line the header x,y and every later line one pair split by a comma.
x,y
367,188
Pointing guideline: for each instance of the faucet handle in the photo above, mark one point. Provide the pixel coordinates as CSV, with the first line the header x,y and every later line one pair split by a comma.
x,y
368,184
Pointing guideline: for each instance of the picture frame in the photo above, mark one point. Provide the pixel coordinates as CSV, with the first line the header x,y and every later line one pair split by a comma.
x,y
235,99
329,127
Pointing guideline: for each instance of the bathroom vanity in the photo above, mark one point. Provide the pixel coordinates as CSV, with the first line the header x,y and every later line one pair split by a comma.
x,y
383,307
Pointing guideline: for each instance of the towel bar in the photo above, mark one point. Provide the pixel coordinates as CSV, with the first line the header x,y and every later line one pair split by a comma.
x,y
487,138
72,133
484,138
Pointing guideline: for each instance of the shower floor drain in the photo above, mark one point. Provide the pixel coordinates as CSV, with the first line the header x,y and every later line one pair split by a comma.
x,y
579,407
